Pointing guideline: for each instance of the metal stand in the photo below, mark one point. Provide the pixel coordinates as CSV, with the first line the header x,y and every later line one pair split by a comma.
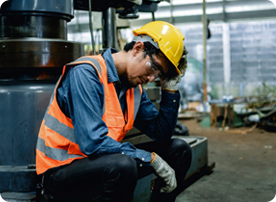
x,y
109,32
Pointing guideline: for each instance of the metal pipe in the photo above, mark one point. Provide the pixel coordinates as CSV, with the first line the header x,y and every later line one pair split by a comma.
x,y
152,16
109,29
91,27
171,12
204,51
226,55
223,11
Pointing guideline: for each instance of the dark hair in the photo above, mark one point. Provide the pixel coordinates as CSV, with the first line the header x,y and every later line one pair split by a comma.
x,y
129,46
182,66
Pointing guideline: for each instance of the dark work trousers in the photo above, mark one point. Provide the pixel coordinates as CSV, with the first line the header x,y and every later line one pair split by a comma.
x,y
114,176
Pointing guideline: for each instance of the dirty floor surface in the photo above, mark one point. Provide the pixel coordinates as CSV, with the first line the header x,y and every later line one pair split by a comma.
x,y
245,167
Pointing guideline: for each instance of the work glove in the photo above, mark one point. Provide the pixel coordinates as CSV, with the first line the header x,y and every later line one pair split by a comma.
x,y
170,85
164,171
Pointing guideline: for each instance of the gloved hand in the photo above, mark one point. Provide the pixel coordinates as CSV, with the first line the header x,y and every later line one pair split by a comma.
x,y
164,171
170,85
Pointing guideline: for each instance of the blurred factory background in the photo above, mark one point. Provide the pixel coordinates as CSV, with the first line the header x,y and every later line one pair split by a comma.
x,y
241,52
229,88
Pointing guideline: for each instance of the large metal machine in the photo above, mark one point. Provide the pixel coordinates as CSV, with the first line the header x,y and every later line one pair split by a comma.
x,y
33,50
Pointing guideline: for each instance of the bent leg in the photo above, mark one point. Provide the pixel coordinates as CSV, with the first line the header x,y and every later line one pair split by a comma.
x,y
177,153
112,176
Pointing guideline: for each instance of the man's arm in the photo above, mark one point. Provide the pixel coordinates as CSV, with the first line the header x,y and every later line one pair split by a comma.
x,y
158,125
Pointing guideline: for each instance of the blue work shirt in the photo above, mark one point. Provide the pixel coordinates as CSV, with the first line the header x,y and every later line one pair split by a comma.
x,y
81,98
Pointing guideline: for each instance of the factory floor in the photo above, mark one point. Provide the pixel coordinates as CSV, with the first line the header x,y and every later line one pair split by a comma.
x,y
245,166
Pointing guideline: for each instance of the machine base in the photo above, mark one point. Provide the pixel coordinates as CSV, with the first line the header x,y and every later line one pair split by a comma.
x,y
144,186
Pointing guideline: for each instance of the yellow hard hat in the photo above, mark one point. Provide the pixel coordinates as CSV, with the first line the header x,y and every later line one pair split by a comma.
x,y
169,38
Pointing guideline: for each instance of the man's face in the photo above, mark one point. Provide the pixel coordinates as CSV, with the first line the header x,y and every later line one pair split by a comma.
x,y
147,69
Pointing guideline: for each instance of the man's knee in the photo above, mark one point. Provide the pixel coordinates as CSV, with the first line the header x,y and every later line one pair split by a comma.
x,y
123,167
181,151
181,145
120,178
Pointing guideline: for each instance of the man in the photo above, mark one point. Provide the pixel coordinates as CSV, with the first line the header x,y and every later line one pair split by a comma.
x,y
97,100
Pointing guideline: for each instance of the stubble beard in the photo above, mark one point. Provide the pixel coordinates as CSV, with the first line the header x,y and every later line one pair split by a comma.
x,y
132,81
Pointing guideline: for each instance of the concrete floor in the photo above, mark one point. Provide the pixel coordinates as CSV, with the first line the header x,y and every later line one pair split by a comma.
x,y
245,167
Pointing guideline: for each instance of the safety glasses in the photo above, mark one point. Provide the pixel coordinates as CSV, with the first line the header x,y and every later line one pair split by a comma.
x,y
153,68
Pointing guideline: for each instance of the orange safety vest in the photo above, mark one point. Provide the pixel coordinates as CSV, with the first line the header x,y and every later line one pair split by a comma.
x,y
56,143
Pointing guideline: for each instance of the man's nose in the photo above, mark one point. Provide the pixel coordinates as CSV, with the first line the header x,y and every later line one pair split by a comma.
x,y
151,78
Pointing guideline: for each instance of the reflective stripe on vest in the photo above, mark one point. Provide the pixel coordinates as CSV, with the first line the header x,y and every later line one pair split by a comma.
x,y
56,144
54,153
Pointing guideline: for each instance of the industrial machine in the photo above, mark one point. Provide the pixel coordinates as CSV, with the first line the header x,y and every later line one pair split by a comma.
x,y
33,50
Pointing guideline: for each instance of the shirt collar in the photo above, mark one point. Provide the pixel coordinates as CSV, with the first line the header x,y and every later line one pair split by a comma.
x,y
112,74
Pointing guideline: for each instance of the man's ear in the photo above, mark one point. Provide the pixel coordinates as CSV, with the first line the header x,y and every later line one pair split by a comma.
x,y
137,48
